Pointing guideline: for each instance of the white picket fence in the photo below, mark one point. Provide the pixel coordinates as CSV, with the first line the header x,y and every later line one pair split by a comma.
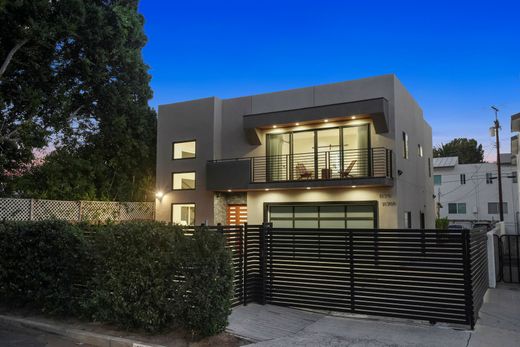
x,y
74,211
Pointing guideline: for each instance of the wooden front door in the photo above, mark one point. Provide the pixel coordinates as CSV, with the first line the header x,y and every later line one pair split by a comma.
x,y
236,214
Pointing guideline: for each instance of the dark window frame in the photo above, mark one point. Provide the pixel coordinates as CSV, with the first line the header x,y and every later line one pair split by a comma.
x,y
184,172
184,203
183,141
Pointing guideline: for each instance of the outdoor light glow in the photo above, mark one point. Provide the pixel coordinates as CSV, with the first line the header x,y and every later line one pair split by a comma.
x,y
353,117
274,126
266,189
229,190
326,120
353,186
297,124
159,195
308,188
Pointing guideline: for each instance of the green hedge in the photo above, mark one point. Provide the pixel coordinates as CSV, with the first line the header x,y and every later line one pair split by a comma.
x,y
40,263
138,275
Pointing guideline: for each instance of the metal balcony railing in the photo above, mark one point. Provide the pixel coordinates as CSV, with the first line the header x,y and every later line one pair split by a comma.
x,y
324,165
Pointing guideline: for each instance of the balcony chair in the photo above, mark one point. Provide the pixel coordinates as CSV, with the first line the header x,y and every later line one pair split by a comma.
x,y
302,172
346,173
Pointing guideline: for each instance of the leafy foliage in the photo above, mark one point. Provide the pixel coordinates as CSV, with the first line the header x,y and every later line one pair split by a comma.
x,y
442,223
77,79
138,275
468,150
39,264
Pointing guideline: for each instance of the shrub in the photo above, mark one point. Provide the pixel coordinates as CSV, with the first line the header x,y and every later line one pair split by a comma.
x,y
205,263
442,223
150,275
42,265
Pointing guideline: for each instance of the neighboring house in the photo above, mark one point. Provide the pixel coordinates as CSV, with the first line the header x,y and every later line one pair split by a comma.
x,y
469,192
353,154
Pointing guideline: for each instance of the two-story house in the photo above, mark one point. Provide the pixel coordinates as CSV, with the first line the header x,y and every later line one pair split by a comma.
x,y
468,193
354,154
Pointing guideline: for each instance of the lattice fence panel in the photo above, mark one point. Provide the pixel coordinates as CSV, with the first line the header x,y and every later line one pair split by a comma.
x,y
90,211
137,211
56,209
15,209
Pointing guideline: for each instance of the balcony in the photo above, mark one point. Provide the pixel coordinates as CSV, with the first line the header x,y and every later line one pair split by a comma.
x,y
335,168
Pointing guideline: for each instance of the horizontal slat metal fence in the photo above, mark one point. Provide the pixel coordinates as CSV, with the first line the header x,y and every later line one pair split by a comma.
x,y
477,241
411,274
244,243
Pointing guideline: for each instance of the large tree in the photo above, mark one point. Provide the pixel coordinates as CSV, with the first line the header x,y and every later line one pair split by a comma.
x,y
73,75
468,150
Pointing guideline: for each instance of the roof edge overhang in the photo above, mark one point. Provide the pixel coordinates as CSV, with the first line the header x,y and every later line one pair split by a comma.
x,y
376,109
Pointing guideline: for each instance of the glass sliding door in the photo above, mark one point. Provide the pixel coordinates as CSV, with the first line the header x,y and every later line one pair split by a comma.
x,y
328,154
356,151
303,163
278,157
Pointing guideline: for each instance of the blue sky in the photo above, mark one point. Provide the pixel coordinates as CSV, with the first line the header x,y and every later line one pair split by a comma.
x,y
457,58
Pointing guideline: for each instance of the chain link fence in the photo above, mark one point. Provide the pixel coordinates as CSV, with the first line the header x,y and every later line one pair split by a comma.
x,y
74,211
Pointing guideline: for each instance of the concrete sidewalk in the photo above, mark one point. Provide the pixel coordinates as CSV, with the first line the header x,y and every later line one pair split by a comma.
x,y
499,325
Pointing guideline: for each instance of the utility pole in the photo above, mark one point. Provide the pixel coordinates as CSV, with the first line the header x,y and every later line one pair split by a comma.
x,y
497,129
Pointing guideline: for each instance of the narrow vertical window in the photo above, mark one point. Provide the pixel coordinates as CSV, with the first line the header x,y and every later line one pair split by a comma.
x,y
408,220
405,145
462,178
429,167
514,177
419,151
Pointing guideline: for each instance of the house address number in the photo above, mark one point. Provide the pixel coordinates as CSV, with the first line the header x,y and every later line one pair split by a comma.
x,y
387,203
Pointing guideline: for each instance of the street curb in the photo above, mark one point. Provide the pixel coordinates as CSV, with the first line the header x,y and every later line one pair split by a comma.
x,y
94,339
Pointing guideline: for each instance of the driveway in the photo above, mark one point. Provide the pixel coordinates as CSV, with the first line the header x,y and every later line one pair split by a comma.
x,y
499,325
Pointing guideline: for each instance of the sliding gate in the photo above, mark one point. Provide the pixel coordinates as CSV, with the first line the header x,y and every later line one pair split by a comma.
x,y
432,275
508,258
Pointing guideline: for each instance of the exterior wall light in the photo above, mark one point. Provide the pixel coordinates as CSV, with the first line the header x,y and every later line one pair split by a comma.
x,y
159,195
297,123
354,186
353,117
326,120
266,189
274,126
229,190
308,188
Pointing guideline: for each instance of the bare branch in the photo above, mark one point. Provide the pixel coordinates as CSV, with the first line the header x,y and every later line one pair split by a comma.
x,y
10,56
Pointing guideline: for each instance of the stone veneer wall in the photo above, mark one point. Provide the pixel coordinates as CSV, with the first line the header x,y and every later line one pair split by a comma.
x,y
221,202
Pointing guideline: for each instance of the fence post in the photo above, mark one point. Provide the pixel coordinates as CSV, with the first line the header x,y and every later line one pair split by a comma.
x,y
80,210
263,271
31,210
468,292
244,289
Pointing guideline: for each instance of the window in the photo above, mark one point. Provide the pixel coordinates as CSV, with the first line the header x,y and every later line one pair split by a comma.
x,y
429,167
514,177
408,220
419,151
489,178
405,145
437,180
183,214
183,150
462,178
339,216
493,207
183,180
457,208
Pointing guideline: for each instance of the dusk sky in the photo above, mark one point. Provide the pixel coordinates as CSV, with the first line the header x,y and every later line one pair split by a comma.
x,y
456,58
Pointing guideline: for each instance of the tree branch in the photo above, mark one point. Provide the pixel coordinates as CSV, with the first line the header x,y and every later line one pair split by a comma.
x,y
10,56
